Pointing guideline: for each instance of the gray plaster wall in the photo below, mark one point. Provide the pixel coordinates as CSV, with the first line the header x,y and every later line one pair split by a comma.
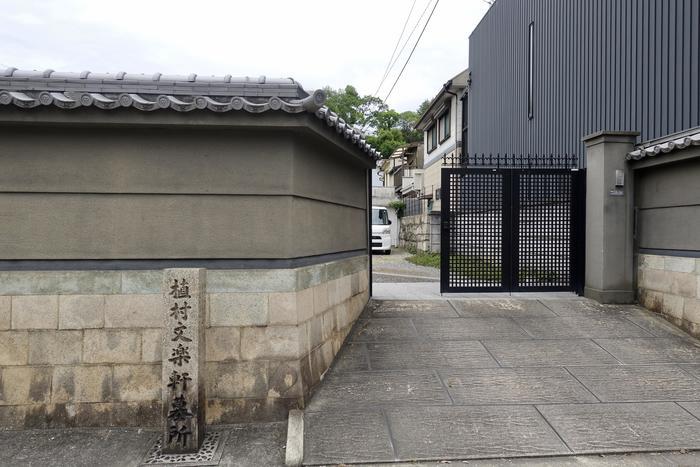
x,y
124,192
144,160
318,172
611,65
667,198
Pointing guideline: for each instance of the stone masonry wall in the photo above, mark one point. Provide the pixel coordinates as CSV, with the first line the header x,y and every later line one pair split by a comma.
x,y
421,232
670,285
83,348
415,232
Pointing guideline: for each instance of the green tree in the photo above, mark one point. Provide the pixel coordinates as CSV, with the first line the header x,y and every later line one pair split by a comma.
x,y
387,140
386,129
354,109
407,124
387,119
423,107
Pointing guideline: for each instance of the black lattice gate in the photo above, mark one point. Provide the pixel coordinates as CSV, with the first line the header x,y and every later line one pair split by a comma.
x,y
512,230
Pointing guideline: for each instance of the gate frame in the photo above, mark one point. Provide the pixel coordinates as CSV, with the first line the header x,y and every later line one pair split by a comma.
x,y
510,217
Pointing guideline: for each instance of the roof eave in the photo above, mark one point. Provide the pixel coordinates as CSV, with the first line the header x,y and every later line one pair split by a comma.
x,y
448,88
665,147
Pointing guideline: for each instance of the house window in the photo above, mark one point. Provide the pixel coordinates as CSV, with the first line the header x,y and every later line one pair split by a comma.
x,y
444,124
432,138
437,194
530,68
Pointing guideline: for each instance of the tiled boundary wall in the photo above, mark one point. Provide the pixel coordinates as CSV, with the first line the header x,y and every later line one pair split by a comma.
x,y
83,348
670,285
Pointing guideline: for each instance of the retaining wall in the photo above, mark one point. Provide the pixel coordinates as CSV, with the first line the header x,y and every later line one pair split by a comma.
x,y
421,232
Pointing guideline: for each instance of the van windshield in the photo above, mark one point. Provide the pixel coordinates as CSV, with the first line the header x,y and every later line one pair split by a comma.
x,y
380,217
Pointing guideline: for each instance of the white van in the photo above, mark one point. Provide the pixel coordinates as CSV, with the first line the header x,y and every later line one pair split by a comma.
x,y
381,230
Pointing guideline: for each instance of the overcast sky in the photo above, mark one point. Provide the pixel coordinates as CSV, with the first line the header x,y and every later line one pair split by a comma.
x,y
316,42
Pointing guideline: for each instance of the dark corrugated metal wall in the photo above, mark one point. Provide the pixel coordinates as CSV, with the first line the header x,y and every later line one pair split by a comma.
x,y
627,65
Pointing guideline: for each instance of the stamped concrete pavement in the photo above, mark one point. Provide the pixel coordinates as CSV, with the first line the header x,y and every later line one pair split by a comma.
x,y
505,378
246,445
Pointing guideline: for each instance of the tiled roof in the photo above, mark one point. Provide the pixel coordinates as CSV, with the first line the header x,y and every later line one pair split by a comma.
x,y
666,145
182,93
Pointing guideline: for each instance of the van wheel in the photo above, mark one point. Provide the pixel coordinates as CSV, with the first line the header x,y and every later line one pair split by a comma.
x,y
387,252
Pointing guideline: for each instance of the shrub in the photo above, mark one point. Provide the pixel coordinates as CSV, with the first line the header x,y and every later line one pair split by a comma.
x,y
424,258
398,206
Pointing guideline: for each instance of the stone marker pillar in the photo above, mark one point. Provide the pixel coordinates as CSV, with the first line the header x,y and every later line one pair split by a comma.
x,y
183,360
609,217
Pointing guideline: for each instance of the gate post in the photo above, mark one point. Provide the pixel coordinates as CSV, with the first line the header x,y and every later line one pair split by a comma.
x,y
609,217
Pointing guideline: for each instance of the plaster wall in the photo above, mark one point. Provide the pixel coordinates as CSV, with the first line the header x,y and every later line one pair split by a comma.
x,y
667,200
102,193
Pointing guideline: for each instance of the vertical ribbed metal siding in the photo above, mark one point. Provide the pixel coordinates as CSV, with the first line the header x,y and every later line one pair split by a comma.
x,y
620,65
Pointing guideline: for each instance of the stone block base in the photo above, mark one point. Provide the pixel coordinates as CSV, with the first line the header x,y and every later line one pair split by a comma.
x,y
670,286
83,348
81,414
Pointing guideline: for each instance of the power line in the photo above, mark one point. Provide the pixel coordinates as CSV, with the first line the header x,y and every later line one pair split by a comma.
x,y
412,50
398,41
408,39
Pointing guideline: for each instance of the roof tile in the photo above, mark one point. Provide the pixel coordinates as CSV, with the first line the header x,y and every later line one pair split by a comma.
x,y
665,146
182,93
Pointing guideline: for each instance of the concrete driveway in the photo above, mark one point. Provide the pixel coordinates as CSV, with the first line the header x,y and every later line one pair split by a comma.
x,y
493,378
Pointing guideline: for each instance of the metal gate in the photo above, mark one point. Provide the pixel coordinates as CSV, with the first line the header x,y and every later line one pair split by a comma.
x,y
512,229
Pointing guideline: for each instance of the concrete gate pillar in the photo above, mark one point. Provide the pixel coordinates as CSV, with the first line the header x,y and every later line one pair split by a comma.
x,y
609,217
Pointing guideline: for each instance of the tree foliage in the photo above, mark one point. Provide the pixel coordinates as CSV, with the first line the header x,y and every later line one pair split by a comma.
x,y
398,206
354,109
387,140
407,124
386,129
423,107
